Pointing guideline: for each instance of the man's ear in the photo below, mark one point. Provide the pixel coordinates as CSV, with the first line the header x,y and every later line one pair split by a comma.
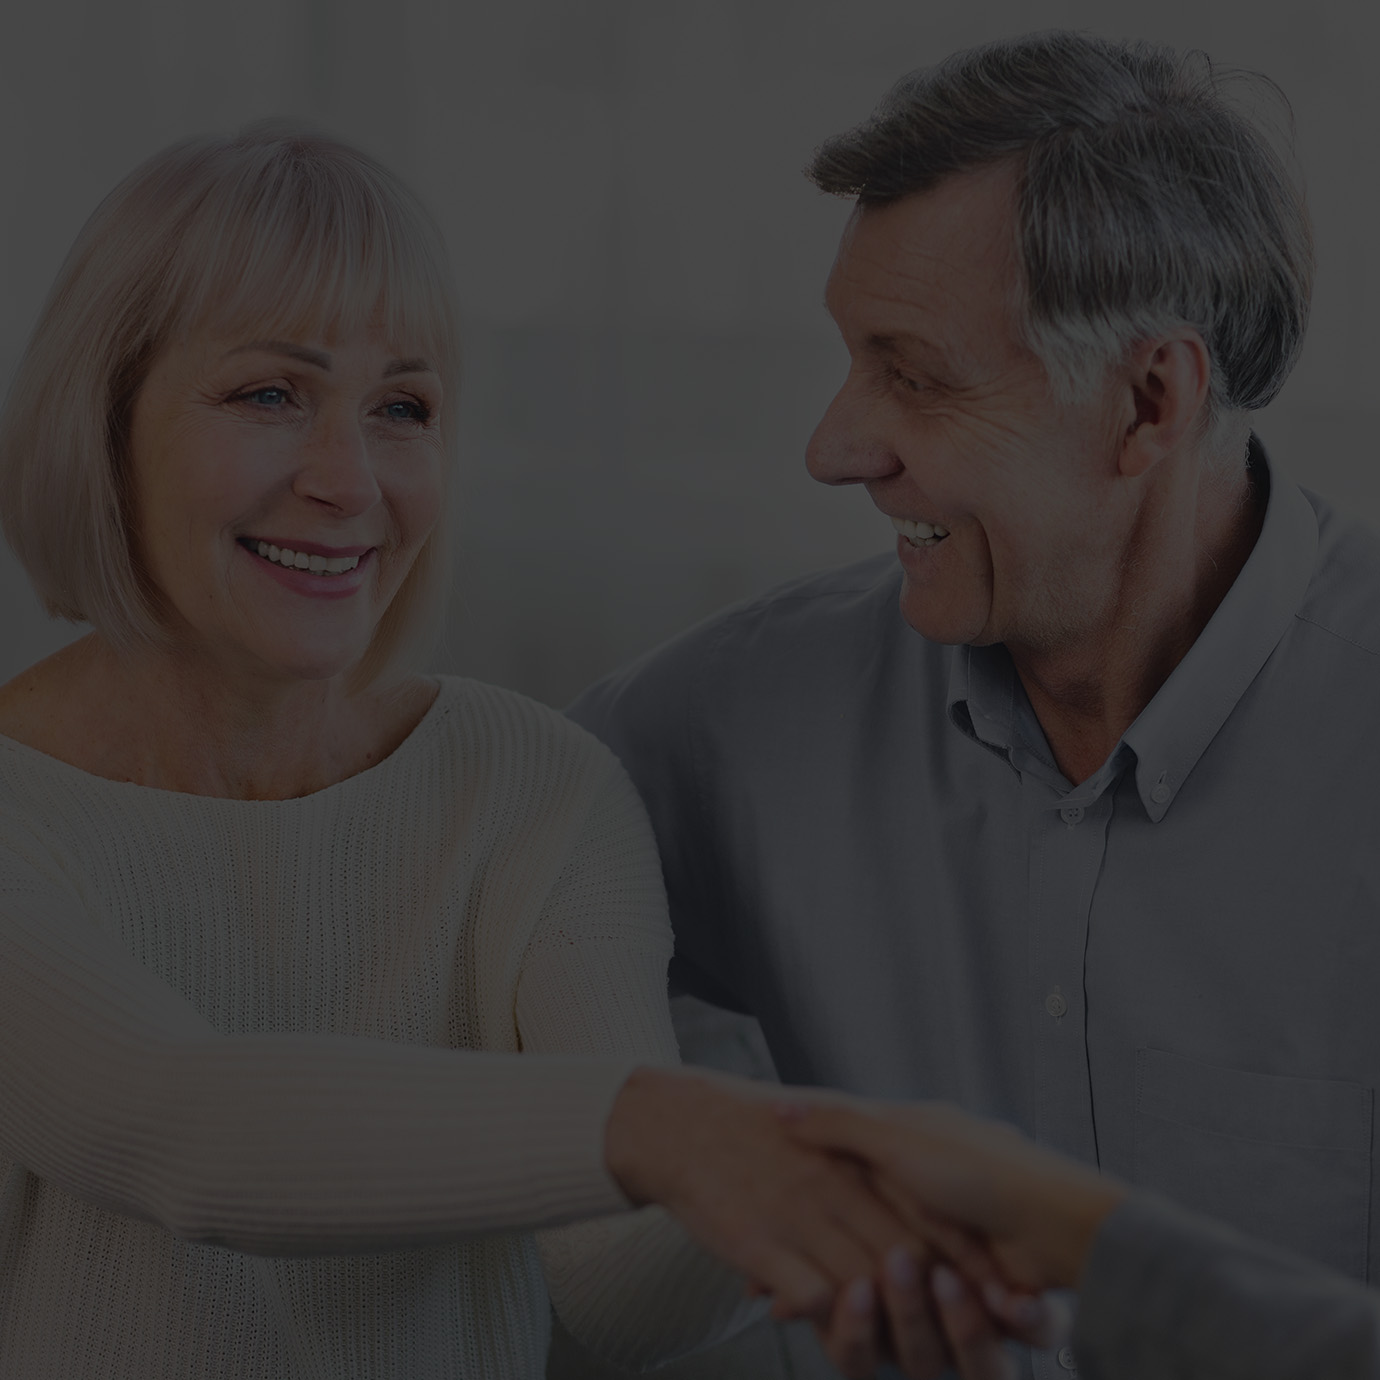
x,y
1167,385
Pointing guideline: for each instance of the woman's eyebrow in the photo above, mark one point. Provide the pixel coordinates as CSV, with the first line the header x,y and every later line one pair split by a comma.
x,y
407,366
283,347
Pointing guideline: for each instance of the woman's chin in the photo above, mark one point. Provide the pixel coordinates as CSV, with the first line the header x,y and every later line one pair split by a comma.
x,y
302,661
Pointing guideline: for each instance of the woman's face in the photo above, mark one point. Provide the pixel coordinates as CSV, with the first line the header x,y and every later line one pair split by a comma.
x,y
244,450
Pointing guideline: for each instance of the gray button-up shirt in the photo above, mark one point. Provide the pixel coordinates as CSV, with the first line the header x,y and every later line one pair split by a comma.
x,y
1171,970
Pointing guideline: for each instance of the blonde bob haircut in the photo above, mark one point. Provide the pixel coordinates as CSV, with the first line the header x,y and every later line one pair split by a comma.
x,y
278,232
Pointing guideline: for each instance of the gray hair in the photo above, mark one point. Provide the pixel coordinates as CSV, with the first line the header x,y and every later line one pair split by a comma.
x,y
1146,202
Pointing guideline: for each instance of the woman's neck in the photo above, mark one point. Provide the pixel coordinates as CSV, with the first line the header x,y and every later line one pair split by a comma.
x,y
171,724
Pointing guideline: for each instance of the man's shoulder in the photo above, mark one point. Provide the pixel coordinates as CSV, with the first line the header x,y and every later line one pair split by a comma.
x,y
794,640
1343,597
814,619
817,611
877,576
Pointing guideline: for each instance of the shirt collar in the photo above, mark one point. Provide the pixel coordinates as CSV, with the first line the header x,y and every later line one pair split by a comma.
x,y
987,702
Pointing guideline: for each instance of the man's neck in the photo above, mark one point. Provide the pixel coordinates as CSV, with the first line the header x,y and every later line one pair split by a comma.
x,y
1087,696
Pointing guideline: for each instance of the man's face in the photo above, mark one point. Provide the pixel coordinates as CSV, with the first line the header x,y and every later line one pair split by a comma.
x,y
947,419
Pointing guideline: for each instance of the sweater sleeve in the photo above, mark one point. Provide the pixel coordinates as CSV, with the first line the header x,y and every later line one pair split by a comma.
x,y
634,1289
114,1088
1169,1295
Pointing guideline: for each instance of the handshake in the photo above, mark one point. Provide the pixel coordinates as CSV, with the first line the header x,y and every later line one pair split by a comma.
x,y
906,1232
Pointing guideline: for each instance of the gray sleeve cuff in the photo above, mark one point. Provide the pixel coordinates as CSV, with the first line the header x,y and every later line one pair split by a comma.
x,y
1166,1293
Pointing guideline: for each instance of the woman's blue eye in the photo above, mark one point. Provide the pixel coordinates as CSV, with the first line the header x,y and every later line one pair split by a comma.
x,y
411,411
259,394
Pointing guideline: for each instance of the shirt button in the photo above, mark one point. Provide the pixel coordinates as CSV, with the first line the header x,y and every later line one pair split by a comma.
x,y
1160,794
1055,1003
1066,1358
1071,814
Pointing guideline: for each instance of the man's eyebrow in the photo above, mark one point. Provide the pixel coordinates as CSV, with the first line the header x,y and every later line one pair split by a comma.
x,y
323,361
940,364
899,342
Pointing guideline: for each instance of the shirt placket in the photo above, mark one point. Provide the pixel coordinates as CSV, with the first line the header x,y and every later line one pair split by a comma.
x,y
1067,843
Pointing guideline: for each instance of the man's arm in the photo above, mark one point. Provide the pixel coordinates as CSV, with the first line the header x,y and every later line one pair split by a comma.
x,y
1166,1292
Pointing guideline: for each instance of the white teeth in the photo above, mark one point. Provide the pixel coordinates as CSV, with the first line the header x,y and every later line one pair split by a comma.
x,y
919,533
299,560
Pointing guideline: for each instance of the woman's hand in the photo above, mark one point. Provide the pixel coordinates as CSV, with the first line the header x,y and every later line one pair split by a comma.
x,y
1037,1210
800,1221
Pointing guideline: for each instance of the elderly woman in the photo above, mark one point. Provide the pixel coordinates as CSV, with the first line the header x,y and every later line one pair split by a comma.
x,y
283,921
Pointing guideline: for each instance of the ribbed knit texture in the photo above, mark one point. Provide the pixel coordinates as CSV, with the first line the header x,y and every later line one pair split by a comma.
x,y
239,1134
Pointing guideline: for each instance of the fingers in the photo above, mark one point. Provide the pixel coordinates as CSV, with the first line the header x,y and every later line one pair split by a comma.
x,y
839,1128
798,1290
851,1338
969,1252
1043,1321
979,1351
913,1328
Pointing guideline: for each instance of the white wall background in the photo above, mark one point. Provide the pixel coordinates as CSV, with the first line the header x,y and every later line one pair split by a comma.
x,y
640,260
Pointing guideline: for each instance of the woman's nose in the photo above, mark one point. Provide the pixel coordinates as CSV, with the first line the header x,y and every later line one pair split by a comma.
x,y
338,468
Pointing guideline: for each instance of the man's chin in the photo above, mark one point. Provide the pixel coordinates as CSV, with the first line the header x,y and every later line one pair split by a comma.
x,y
936,622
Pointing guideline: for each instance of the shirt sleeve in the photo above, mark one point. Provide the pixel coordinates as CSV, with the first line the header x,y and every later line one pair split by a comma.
x,y
634,1289
114,1088
1167,1293
649,713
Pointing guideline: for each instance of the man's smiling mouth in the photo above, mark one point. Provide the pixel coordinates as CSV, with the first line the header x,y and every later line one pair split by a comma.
x,y
920,533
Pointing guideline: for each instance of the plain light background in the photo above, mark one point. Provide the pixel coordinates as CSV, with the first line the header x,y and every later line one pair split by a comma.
x,y
640,260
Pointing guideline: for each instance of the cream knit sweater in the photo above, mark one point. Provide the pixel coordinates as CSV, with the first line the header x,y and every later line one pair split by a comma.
x,y
242,1129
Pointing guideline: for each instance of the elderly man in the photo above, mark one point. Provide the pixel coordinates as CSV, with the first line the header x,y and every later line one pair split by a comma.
x,y
1060,813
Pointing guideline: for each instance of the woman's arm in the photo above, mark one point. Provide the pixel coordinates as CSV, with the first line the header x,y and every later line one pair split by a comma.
x,y
115,1089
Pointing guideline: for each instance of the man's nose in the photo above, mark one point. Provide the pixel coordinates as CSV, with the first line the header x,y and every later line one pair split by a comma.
x,y
848,446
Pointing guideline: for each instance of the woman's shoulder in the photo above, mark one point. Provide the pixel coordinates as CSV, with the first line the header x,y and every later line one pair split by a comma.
x,y
34,705
498,728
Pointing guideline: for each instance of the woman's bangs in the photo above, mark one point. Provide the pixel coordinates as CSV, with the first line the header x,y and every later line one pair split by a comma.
x,y
306,267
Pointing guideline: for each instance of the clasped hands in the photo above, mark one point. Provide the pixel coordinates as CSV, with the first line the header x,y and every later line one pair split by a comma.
x,y
906,1232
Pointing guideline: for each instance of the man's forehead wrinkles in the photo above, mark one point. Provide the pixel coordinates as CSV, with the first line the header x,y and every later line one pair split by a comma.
x,y
919,281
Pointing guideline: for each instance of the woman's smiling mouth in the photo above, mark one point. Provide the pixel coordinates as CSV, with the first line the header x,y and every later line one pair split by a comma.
x,y
310,573
312,563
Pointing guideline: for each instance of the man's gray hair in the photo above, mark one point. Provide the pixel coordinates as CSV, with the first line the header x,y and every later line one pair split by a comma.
x,y
1146,201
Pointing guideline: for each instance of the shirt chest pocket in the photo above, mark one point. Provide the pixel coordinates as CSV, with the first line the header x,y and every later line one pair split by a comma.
x,y
1284,1159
